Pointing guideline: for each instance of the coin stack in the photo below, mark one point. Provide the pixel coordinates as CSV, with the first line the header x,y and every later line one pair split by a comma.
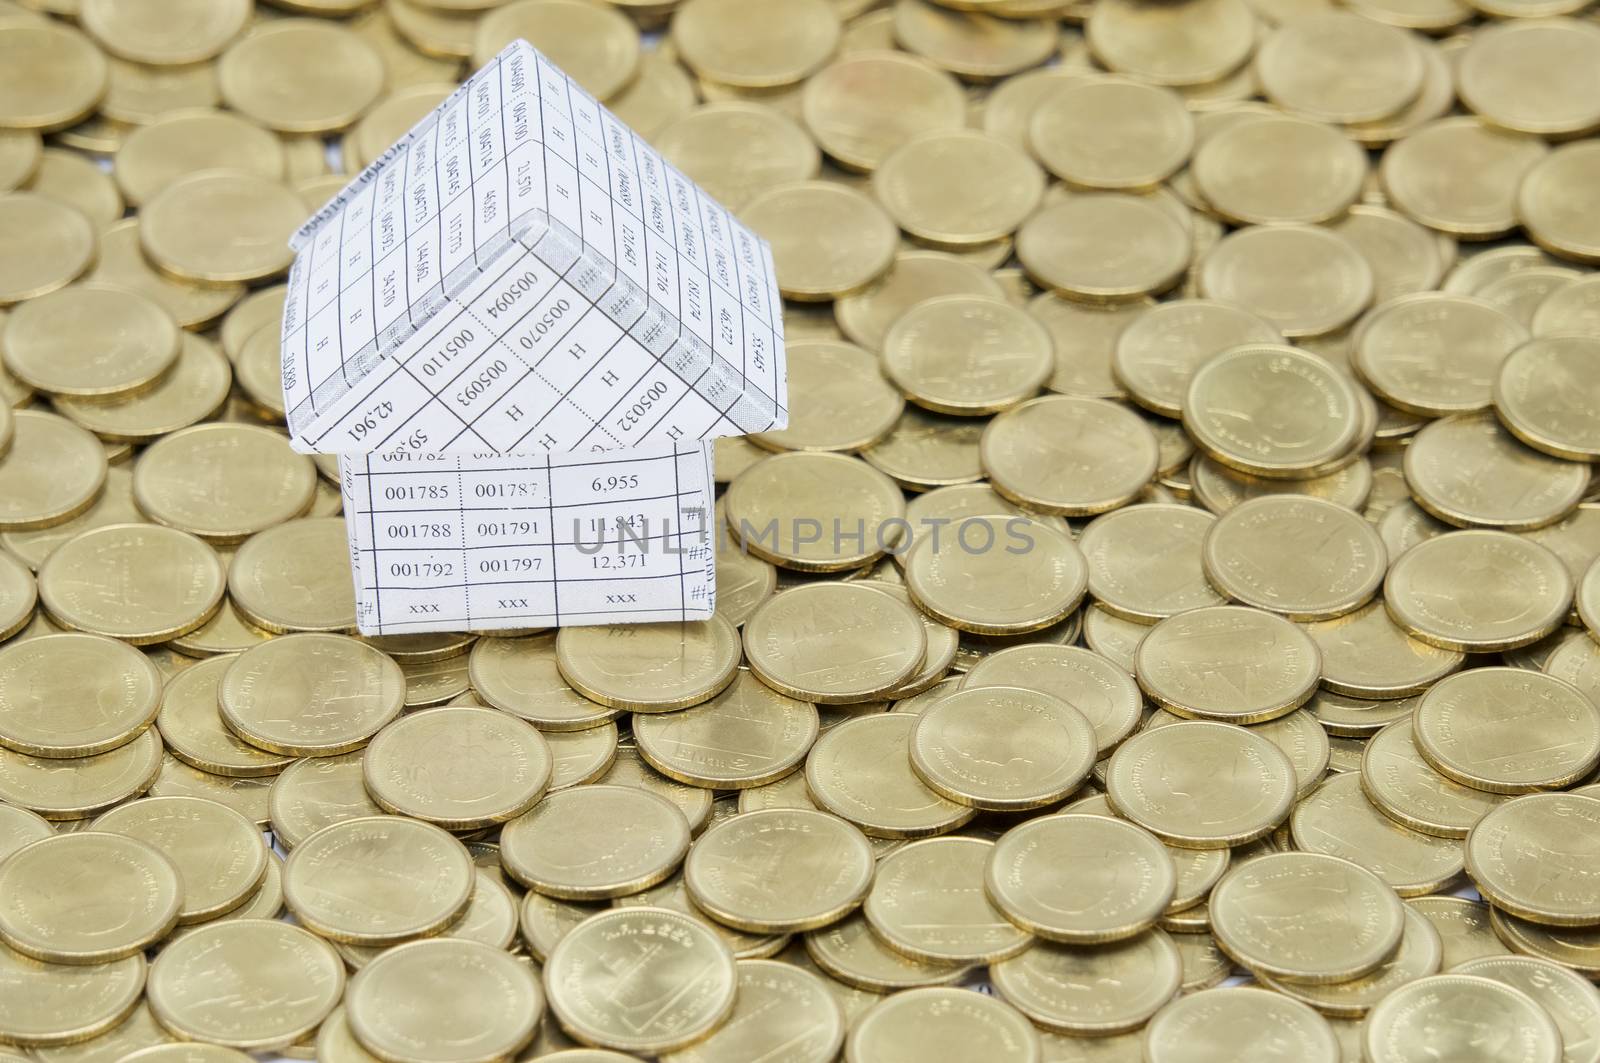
x,y
1171,610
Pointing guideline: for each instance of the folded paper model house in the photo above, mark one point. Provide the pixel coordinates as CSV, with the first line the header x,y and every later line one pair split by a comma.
x,y
520,329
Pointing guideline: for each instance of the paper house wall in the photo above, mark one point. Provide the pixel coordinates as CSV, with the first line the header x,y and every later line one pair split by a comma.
x,y
520,329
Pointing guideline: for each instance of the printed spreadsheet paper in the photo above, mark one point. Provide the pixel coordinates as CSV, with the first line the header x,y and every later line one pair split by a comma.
x,y
520,329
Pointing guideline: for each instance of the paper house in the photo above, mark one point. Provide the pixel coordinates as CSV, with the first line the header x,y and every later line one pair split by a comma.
x,y
520,329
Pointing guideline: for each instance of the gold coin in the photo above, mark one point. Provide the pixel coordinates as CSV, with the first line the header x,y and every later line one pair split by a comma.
x,y
45,1004
1104,248
1405,787
1185,663
295,577
1127,982
1542,394
141,93
1080,879
1478,591
942,1023
191,1052
834,643
1268,169
75,695
650,952
1299,735
1219,488
1329,940
779,870
736,151
1418,956
1460,175
630,769
1516,853
1507,730
1553,198
336,1044
138,582
1103,693
88,898
595,46
1188,44
967,355
188,141
1463,928
661,94
1344,754
838,398
520,676
928,903
743,582
1405,257
1366,655
22,154
1108,133
246,796
861,772
1160,349
53,76
90,341
461,768
1083,334
315,793
828,241
194,389
866,316
18,827
1197,869
780,1007
1223,807
310,695
79,787
1533,77
852,953
221,226
1466,1017
1468,471
1338,819
1379,68
249,315
926,186
1003,575
671,894
1571,1000
1588,599
1574,947
1144,561
444,999
292,978
594,842
122,264
1070,456
75,180
863,106
222,482
544,921
755,43
814,512
1002,748
217,852
139,1030
943,644
972,46
167,34
748,735
1304,280
378,880
336,76
649,667
1303,558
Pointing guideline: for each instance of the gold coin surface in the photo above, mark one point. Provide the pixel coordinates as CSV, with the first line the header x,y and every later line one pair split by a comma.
x,y
1468,1017
1104,247
1108,133
1340,67
1002,576
761,44
155,155
1160,350
1460,175
1533,77
972,45
595,46
1304,280
606,977
1270,169
378,880
1463,928
164,33
1365,654
310,694
53,76
1084,335
1554,199
780,1007
595,842
195,388
862,107
461,768
834,643
295,577
1188,45
1202,785
1418,956
141,583
1002,748
779,870
1407,789
222,482
928,903
865,317
520,676
90,341
46,1004
1338,819
1543,393
79,787
861,772
1303,558
629,769
748,735
852,953
967,355
88,898
54,244
737,150
1572,1001
221,226
1080,879
1103,693
1187,661
649,667
292,978
814,512
934,1021
1469,471
927,185
1071,456
18,827
74,695
444,999
216,851
1306,917
1128,981
317,792
1517,853
838,399
860,246
1507,730
122,264
337,75
1478,591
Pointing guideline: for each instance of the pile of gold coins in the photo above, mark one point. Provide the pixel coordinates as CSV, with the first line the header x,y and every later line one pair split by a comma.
x,y
1159,634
